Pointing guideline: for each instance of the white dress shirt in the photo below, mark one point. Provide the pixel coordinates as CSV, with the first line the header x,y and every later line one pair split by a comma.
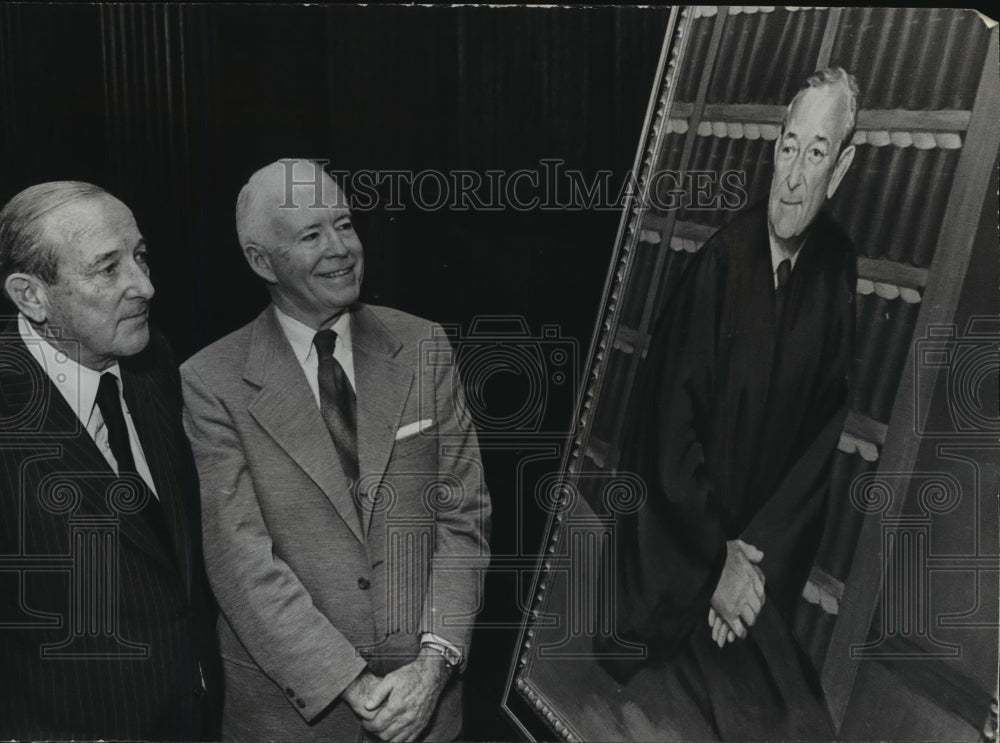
x,y
777,257
78,385
300,338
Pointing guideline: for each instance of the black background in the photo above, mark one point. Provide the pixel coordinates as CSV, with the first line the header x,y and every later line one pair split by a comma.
x,y
171,110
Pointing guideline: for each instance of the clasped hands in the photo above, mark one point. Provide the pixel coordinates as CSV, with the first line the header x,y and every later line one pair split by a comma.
x,y
739,596
398,706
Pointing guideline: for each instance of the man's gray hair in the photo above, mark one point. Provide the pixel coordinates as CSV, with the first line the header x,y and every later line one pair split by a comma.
x,y
23,248
833,77
249,225
253,219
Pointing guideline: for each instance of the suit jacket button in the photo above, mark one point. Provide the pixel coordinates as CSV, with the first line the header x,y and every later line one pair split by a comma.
x,y
364,584
302,705
289,693
198,692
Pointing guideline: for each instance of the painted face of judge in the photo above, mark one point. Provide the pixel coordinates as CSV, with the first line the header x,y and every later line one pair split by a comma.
x,y
302,242
810,159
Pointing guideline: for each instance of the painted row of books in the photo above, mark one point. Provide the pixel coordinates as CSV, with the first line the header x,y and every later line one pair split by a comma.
x,y
895,54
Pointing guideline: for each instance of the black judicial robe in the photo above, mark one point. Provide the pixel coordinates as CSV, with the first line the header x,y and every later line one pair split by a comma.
x,y
734,426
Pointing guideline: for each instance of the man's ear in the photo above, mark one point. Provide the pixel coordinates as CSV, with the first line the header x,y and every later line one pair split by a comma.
x,y
260,261
840,169
29,294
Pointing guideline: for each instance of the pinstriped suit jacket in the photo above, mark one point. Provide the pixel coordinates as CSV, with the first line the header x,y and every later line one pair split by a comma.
x,y
98,638
308,593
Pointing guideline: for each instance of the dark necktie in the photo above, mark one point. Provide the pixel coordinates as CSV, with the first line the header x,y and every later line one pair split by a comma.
x,y
780,295
109,403
114,421
337,403
784,272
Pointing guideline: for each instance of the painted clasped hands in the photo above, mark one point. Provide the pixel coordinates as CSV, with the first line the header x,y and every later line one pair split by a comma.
x,y
739,596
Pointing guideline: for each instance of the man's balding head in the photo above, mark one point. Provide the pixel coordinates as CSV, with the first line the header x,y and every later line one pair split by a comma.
x,y
74,263
295,229
839,82
283,184
24,247
811,155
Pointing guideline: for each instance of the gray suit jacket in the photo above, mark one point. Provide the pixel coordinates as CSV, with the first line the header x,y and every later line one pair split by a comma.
x,y
308,593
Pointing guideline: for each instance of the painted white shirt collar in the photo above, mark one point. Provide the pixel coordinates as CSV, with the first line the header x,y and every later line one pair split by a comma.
x,y
777,257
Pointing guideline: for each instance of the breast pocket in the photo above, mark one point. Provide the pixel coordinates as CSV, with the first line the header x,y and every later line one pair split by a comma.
x,y
419,443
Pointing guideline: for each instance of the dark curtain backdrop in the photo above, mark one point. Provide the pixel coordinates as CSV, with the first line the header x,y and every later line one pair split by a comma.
x,y
172,107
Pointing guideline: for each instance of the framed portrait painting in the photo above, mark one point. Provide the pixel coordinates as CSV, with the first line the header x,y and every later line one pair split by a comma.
x,y
777,517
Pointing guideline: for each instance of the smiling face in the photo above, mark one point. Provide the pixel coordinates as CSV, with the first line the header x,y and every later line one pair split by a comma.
x,y
308,251
100,299
809,160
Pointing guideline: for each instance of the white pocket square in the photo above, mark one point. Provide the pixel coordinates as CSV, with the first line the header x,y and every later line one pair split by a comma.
x,y
411,429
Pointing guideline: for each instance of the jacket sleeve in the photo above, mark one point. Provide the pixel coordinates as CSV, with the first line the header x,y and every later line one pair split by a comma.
x,y
260,596
462,518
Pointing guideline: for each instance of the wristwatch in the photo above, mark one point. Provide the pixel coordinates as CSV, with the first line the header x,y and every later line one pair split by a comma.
x,y
452,657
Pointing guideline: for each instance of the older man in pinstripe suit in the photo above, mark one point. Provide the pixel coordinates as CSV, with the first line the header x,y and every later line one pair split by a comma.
x,y
105,621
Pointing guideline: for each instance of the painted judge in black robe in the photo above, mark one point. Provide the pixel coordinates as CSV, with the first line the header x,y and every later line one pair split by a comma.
x,y
737,416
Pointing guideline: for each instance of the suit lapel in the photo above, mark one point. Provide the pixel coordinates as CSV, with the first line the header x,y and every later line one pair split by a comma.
x,y
153,425
383,385
286,409
30,392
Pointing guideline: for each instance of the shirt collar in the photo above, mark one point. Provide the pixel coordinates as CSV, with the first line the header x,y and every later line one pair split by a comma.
x,y
777,256
300,336
75,382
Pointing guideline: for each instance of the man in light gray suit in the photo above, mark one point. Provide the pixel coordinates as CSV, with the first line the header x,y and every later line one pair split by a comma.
x,y
345,513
